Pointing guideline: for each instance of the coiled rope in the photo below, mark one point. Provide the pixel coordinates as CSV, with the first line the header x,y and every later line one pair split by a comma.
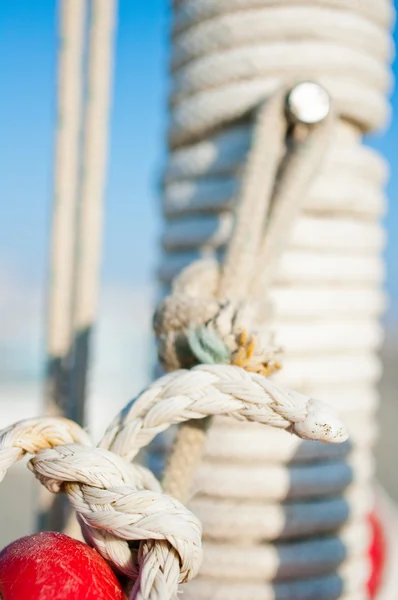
x,y
227,57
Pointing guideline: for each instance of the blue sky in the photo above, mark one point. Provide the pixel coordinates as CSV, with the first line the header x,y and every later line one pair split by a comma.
x,y
28,33
27,118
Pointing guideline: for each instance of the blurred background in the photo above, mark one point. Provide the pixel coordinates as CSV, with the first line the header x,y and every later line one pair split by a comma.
x,y
122,350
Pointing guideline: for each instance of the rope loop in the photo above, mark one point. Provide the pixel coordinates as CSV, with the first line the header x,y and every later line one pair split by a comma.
x,y
142,532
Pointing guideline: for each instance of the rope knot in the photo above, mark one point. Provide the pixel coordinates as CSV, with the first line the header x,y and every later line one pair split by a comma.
x,y
120,504
193,326
144,533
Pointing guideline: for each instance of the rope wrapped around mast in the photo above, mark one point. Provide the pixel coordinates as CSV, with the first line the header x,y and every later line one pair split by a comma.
x,y
227,58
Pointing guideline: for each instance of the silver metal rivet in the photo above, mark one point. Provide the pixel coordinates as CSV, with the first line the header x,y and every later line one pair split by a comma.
x,y
308,103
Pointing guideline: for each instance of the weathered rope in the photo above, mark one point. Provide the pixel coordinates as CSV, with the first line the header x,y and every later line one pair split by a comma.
x,y
224,327
33,435
120,504
212,306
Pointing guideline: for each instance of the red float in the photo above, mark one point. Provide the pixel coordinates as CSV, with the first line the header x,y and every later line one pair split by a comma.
x,y
53,566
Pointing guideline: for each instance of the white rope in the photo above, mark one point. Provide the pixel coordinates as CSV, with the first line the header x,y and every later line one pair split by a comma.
x,y
72,22
240,76
324,302
203,111
327,194
301,266
89,219
59,335
78,197
224,152
258,522
252,446
118,502
288,559
288,22
236,64
215,390
33,435
278,483
351,576
190,11
227,56
309,233
230,441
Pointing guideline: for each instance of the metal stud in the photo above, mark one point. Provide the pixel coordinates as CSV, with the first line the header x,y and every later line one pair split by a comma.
x,y
308,103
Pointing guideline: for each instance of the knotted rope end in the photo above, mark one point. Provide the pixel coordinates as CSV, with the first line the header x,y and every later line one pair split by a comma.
x,y
321,423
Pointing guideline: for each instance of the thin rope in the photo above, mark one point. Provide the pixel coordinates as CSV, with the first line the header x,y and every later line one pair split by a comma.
x,y
59,336
59,341
91,209
264,221
185,457
258,181
298,171
77,216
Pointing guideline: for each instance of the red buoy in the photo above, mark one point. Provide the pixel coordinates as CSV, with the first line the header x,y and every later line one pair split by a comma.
x,y
53,566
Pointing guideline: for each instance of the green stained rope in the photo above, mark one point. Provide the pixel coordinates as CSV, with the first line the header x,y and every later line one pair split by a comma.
x,y
208,347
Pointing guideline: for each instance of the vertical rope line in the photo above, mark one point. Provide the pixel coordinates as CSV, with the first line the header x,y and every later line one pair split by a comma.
x,y
71,47
77,216
289,196
260,172
72,20
184,459
89,229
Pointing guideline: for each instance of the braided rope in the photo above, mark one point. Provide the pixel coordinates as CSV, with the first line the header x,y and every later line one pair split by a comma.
x,y
119,503
33,435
